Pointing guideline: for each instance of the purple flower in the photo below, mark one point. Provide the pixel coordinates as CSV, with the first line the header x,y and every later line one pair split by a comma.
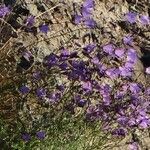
x,y
24,90
134,88
88,4
40,135
132,55
147,91
74,74
90,23
30,21
87,86
125,72
105,90
132,122
95,60
145,20
26,137
133,146
87,8
89,48
44,28
109,48
112,72
131,17
79,69
51,60
77,19
144,122
119,95
63,65
147,70
81,102
4,11
101,68
119,52
64,53
40,92
119,132
129,65
54,97
128,40
122,120
86,13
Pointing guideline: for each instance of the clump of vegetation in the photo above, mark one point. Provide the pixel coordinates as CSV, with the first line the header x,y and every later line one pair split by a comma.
x,y
66,82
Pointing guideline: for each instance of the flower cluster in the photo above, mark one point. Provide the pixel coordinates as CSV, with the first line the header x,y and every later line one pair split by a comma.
x,y
86,14
107,91
97,78
27,137
131,17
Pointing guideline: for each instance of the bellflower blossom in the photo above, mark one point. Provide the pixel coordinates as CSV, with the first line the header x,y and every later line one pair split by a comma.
x,y
122,91
41,92
24,89
133,146
109,48
143,121
95,60
51,60
147,70
91,23
89,48
131,17
26,137
44,28
30,21
145,20
120,52
87,86
122,120
77,19
112,72
88,4
132,55
105,89
129,65
134,88
81,103
54,97
86,12
87,8
4,11
128,40
40,135
125,72
119,132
